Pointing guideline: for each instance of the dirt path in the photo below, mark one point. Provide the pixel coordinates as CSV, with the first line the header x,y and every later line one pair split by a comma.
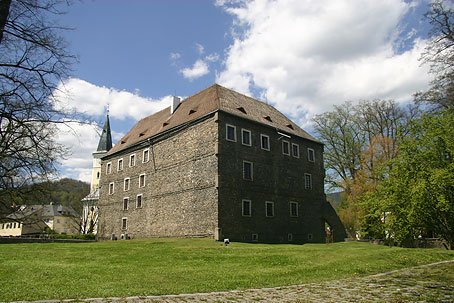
x,y
427,283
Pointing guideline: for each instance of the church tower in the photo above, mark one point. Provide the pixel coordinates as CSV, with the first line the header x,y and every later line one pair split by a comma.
x,y
104,145
89,223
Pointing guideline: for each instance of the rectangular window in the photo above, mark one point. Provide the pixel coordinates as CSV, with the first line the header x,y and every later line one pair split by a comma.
x,y
139,201
307,181
120,165
293,209
246,208
230,132
255,237
132,160
265,142
310,155
247,170
109,168
246,137
127,182
290,237
269,209
142,180
111,188
124,223
295,150
286,147
146,155
125,203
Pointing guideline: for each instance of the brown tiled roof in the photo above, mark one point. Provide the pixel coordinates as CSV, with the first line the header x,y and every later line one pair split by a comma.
x,y
214,98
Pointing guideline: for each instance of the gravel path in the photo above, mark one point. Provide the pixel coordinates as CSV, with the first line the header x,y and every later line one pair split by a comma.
x,y
427,283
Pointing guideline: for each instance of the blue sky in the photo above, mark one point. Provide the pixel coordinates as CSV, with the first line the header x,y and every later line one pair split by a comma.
x,y
302,56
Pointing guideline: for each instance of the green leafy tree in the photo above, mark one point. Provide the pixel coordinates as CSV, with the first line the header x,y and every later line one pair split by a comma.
x,y
418,197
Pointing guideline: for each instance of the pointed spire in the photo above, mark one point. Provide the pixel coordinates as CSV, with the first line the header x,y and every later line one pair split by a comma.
x,y
105,142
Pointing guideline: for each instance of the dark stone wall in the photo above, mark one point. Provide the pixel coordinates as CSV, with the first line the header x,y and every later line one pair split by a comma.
x,y
180,195
276,177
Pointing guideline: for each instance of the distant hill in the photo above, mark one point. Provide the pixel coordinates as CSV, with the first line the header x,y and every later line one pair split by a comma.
x,y
67,192
335,198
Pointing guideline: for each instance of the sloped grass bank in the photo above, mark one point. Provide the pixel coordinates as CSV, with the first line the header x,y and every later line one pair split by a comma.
x,y
171,266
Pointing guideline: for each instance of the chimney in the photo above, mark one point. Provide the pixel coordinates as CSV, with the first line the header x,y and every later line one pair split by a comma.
x,y
175,102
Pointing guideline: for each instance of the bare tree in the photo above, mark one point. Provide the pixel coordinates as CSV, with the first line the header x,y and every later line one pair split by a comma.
x,y
33,61
439,55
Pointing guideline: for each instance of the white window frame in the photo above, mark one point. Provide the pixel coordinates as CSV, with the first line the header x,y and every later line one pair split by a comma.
x,y
297,150
261,142
108,167
252,170
126,188
246,131
283,149
124,223
309,151
306,185
290,209
227,132
266,209
242,207
147,151
141,201
132,160
144,180
118,164
127,203
111,188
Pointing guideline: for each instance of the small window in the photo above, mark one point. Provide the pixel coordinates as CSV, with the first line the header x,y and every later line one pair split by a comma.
x,y
142,180
269,209
120,164
290,237
307,181
286,147
139,201
111,188
310,155
309,237
230,133
293,209
98,174
127,184
255,237
124,223
247,170
246,137
265,142
295,150
109,167
246,208
241,109
125,203
146,155
132,160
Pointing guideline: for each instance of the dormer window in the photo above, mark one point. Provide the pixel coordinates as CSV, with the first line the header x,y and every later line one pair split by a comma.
x,y
290,126
165,124
192,111
241,109
268,118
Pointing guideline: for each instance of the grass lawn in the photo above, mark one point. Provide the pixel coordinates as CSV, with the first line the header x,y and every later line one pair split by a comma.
x,y
171,266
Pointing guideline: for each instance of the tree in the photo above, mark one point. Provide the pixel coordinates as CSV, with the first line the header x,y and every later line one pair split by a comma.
x,y
439,55
418,197
33,61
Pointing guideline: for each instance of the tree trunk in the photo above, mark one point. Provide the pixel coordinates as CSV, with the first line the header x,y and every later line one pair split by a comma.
x,y
4,12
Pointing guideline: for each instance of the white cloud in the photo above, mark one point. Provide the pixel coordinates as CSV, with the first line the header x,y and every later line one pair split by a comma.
x,y
306,55
212,57
200,48
174,56
199,69
84,97
82,139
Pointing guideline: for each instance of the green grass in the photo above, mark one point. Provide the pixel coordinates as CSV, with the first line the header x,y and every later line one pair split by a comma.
x,y
171,266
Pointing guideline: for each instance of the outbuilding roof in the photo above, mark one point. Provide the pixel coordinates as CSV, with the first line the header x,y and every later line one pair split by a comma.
x,y
214,98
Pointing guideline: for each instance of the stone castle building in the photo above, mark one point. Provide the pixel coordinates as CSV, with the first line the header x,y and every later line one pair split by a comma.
x,y
218,164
